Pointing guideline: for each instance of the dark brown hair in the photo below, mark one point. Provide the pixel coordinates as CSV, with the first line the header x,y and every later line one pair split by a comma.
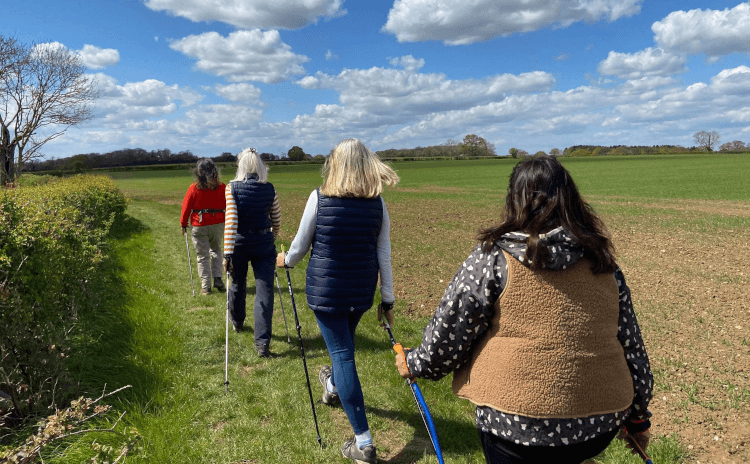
x,y
206,174
542,196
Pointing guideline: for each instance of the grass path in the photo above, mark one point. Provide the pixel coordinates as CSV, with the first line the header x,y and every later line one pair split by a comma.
x,y
170,347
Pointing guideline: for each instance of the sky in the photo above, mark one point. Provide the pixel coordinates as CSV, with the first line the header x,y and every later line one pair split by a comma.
x,y
215,76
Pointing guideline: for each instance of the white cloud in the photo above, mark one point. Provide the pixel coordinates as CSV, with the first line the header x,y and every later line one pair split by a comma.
x,y
461,22
408,62
92,56
648,62
733,81
50,46
330,55
403,93
646,85
98,58
243,92
137,100
243,55
263,14
711,32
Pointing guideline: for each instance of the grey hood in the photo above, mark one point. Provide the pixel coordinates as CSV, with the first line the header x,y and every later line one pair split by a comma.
x,y
563,249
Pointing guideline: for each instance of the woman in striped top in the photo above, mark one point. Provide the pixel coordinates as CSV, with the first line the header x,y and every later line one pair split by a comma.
x,y
252,222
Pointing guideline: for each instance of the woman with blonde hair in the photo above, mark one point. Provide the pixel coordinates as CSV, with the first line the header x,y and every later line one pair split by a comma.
x,y
203,206
253,221
347,225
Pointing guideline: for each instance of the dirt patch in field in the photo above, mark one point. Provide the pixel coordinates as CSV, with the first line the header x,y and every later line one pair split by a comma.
x,y
200,308
712,207
689,285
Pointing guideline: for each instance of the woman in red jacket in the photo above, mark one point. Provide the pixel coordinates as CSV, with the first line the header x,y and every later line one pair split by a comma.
x,y
204,204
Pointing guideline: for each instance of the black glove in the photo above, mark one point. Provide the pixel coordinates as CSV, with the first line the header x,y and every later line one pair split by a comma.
x,y
385,310
228,266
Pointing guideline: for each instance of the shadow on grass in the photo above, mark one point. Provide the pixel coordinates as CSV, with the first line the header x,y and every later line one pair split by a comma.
x,y
454,437
102,357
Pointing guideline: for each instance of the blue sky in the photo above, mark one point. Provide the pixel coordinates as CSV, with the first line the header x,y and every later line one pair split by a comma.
x,y
212,76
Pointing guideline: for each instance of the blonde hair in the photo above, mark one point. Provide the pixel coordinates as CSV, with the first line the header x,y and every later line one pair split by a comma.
x,y
249,162
352,170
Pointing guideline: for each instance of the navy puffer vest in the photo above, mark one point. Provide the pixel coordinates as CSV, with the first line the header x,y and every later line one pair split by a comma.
x,y
343,270
254,201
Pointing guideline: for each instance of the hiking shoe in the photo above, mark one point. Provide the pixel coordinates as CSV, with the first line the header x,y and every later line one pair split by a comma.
x,y
350,450
219,285
238,327
263,351
205,291
328,397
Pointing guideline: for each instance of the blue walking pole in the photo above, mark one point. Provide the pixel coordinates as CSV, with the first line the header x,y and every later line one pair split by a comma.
x,y
419,398
641,452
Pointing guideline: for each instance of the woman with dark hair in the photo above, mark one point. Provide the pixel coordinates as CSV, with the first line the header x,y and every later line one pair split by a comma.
x,y
204,206
539,329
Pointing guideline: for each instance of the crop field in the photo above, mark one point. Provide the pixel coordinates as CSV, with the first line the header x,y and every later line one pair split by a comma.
x,y
681,228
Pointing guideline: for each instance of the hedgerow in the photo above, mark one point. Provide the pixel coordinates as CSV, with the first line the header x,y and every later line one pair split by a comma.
x,y
52,237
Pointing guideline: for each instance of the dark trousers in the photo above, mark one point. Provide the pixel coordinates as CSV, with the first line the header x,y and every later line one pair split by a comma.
x,y
262,257
500,451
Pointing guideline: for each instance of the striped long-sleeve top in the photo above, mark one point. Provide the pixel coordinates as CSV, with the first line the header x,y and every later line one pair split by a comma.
x,y
231,220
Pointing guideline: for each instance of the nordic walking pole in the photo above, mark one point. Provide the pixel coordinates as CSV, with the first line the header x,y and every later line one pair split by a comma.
x,y
190,263
638,448
281,302
419,398
302,349
226,343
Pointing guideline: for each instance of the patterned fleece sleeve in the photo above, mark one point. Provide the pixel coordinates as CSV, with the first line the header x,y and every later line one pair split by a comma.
x,y
629,335
230,222
462,317
276,215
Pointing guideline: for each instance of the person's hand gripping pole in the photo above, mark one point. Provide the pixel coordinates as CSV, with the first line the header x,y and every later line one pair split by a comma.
x,y
403,370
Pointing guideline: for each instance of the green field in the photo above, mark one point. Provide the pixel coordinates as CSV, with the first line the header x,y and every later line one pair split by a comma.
x,y
170,345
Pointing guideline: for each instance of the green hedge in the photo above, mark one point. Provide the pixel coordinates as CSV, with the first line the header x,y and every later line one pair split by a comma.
x,y
52,237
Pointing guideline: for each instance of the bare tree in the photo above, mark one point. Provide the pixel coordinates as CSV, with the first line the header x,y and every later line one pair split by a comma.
x,y
736,145
43,92
706,140
10,53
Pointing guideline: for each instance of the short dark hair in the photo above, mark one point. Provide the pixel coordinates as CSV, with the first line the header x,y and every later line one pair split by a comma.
x,y
206,174
542,196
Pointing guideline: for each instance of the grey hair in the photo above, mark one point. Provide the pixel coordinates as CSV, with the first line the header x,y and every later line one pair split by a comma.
x,y
249,162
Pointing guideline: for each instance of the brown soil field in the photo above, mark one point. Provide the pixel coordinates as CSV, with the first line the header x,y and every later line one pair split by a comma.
x,y
689,284
686,267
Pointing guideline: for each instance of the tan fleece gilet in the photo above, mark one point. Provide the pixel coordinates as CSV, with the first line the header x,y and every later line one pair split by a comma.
x,y
551,350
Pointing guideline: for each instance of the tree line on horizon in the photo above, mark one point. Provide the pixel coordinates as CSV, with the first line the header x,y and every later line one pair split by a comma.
x,y
472,147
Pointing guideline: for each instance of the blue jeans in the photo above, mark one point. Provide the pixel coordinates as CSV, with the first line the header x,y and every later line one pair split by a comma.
x,y
262,257
338,333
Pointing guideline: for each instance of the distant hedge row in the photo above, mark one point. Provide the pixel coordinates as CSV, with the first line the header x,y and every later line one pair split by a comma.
x,y
52,238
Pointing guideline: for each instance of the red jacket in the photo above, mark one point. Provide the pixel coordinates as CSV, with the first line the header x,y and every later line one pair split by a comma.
x,y
198,199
